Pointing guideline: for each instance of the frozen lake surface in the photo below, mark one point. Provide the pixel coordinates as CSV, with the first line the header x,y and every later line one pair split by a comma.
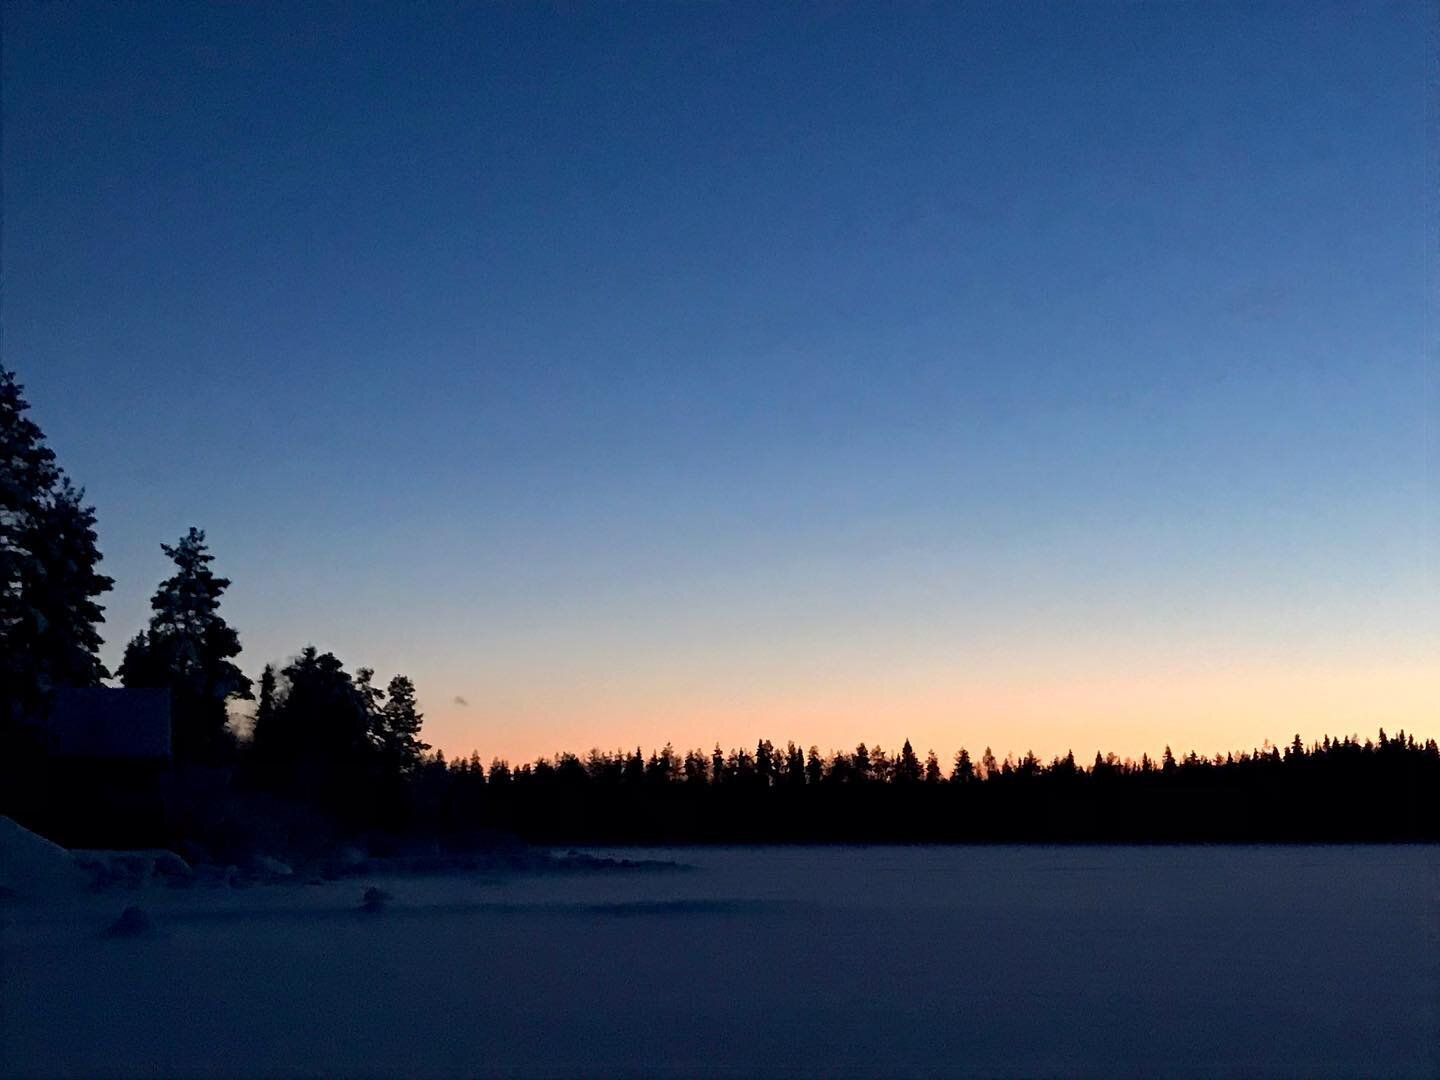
x,y
900,961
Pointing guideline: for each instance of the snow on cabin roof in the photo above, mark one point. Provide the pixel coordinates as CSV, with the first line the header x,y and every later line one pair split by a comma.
x,y
104,722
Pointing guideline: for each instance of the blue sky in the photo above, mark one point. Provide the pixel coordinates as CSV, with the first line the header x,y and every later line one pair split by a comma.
x,y
673,371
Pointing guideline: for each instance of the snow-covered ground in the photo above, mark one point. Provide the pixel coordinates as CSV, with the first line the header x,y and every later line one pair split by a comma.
x,y
1313,961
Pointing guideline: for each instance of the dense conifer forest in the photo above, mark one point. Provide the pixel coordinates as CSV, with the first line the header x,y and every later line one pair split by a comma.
x,y
1336,790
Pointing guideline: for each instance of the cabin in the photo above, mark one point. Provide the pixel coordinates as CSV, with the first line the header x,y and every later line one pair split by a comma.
x,y
105,755
101,723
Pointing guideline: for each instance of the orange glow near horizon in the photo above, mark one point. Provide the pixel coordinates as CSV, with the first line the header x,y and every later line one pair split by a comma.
x,y
1206,711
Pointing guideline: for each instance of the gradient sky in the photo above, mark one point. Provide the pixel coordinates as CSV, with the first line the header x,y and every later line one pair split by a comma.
x,y
1034,376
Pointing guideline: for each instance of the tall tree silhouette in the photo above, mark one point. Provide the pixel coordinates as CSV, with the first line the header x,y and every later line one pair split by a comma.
x,y
933,775
860,763
322,716
907,766
794,765
397,727
814,766
27,474
48,577
697,768
765,763
63,594
188,647
339,742
964,769
634,772
263,730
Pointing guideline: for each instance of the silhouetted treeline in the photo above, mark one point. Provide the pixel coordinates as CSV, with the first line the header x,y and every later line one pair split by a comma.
x,y
1336,790
332,756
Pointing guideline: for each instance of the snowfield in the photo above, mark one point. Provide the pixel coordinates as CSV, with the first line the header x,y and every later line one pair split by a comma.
x,y
807,961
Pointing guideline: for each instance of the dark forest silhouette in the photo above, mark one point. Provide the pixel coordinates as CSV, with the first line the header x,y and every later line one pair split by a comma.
x,y
1338,789
332,756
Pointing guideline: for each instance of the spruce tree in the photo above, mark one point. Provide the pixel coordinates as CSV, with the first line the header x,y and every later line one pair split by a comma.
x,y
188,648
907,766
48,578
794,765
263,731
63,542
964,770
814,766
933,775
765,763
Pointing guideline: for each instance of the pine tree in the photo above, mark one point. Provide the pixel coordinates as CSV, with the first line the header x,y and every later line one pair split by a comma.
x,y
323,718
397,727
188,647
372,698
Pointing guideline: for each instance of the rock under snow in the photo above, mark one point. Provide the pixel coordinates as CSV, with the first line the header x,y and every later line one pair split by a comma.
x,y
133,922
133,868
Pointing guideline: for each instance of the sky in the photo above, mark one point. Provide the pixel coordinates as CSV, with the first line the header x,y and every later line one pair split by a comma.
x,y
1035,376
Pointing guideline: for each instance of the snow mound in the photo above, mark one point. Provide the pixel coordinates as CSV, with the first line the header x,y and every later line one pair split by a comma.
x,y
33,867
271,869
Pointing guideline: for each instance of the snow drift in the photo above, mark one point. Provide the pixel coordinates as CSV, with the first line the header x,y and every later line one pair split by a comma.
x,y
32,867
